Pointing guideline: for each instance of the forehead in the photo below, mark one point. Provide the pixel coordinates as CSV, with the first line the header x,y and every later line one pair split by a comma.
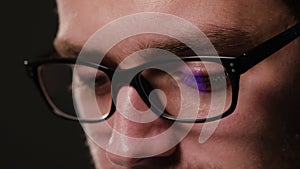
x,y
80,19
231,12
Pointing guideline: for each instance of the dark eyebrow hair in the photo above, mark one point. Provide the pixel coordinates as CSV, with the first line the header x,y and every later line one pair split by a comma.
x,y
230,40
226,40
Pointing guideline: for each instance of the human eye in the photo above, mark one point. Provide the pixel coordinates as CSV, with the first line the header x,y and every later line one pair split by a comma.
x,y
100,83
203,76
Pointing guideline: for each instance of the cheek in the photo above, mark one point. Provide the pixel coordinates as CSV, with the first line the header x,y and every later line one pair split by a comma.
x,y
99,156
272,88
262,101
253,134
268,105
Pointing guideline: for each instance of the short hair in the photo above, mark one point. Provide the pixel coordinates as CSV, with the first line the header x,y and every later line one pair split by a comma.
x,y
294,6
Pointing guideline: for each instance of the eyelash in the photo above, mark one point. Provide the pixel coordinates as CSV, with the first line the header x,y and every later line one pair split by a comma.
x,y
198,77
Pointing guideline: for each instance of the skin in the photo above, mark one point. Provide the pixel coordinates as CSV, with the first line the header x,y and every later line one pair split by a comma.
x,y
261,132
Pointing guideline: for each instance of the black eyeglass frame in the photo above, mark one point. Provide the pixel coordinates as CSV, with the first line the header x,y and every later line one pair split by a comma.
x,y
235,66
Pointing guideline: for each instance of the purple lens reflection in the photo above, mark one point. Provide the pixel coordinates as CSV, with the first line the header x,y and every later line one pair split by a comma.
x,y
202,82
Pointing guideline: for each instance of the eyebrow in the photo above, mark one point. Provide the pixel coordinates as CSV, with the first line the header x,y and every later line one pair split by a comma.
x,y
232,41
226,40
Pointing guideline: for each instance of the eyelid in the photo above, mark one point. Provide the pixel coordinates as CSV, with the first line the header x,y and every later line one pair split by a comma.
x,y
202,68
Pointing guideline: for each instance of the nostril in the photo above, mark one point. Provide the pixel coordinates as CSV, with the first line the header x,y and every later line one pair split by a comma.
x,y
123,161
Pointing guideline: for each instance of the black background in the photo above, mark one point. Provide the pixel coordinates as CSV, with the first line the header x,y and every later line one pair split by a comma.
x,y
32,137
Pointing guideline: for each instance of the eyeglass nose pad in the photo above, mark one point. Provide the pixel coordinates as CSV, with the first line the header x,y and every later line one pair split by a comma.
x,y
148,94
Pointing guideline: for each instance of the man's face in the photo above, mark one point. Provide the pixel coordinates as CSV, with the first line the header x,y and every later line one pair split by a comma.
x,y
261,132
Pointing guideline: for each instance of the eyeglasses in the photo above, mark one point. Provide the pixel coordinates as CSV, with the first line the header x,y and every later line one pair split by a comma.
x,y
204,79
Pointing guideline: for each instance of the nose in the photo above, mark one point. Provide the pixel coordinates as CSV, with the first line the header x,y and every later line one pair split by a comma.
x,y
137,135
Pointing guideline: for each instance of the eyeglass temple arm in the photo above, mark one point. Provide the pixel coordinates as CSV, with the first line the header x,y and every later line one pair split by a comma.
x,y
269,47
